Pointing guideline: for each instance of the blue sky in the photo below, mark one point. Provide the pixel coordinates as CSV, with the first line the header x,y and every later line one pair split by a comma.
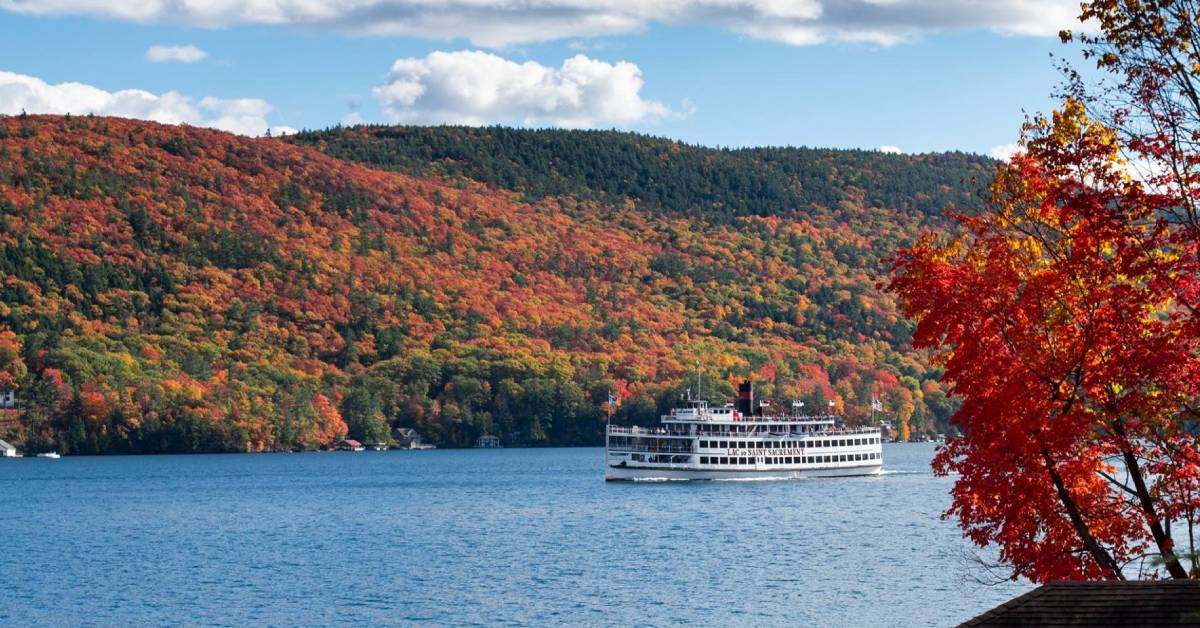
x,y
934,86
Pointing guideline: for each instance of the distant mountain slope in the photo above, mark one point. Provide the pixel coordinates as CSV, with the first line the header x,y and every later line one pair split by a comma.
x,y
663,174
169,288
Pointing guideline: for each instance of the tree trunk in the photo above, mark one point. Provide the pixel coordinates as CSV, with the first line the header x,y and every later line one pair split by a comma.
x,y
1098,553
1166,546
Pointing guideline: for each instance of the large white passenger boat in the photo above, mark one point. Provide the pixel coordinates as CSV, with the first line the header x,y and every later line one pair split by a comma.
x,y
699,442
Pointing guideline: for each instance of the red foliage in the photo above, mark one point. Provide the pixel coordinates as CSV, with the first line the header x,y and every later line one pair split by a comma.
x,y
1063,322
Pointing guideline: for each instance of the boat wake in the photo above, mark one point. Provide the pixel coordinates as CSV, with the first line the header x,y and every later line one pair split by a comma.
x,y
903,472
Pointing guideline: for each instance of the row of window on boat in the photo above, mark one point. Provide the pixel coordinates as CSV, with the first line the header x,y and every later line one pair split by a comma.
x,y
718,430
749,460
776,460
791,444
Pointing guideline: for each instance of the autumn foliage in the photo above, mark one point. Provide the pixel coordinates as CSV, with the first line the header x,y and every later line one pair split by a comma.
x,y
178,289
1060,319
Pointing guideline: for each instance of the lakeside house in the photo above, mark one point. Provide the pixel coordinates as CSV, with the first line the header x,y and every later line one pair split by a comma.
x,y
7,450
1145,603
349,444
8,399
487,441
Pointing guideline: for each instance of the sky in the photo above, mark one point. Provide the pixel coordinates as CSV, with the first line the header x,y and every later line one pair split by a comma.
x,y
894,75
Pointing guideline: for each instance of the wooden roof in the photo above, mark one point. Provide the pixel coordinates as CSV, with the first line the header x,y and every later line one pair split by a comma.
x,y
1133,603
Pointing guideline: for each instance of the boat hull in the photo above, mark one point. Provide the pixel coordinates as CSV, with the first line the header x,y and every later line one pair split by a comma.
x,y
616,473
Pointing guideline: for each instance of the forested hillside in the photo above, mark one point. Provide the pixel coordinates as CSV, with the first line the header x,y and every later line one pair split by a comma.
x,y
663,175
168,288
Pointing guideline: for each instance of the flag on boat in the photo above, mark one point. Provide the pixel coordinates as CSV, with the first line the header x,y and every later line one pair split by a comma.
x,y
612,399
876,405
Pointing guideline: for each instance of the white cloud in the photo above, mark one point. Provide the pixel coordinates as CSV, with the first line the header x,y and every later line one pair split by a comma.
x,y
177,54
890,150
498,23
1005,152
19,92
282,130
353,118
472,87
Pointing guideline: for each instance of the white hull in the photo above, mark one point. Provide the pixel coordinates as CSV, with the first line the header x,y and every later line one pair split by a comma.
x,y
628,473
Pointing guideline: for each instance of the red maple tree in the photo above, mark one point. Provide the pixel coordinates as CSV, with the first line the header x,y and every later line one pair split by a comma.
x,y
1066,318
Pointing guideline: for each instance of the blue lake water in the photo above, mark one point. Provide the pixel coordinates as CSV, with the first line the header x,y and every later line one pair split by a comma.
x,y
488,537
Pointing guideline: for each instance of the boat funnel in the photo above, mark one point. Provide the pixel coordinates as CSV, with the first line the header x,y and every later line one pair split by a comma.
x,y
745,404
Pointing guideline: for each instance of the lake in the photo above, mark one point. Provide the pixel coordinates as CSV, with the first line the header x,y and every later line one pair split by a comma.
x,y
484,537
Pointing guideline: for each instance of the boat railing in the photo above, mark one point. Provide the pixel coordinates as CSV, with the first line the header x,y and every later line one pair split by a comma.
x,y
645,431
652,449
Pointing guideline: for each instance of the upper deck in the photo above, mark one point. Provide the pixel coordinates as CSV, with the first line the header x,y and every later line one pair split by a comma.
x,y
701,412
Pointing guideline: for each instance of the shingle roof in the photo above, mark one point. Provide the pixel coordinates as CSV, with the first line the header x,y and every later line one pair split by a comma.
x,y
1133,603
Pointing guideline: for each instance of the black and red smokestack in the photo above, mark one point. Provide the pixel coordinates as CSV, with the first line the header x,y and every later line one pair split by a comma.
x,y
745,398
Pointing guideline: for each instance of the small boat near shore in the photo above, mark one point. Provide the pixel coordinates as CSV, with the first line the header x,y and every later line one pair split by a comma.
x,y
52,455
